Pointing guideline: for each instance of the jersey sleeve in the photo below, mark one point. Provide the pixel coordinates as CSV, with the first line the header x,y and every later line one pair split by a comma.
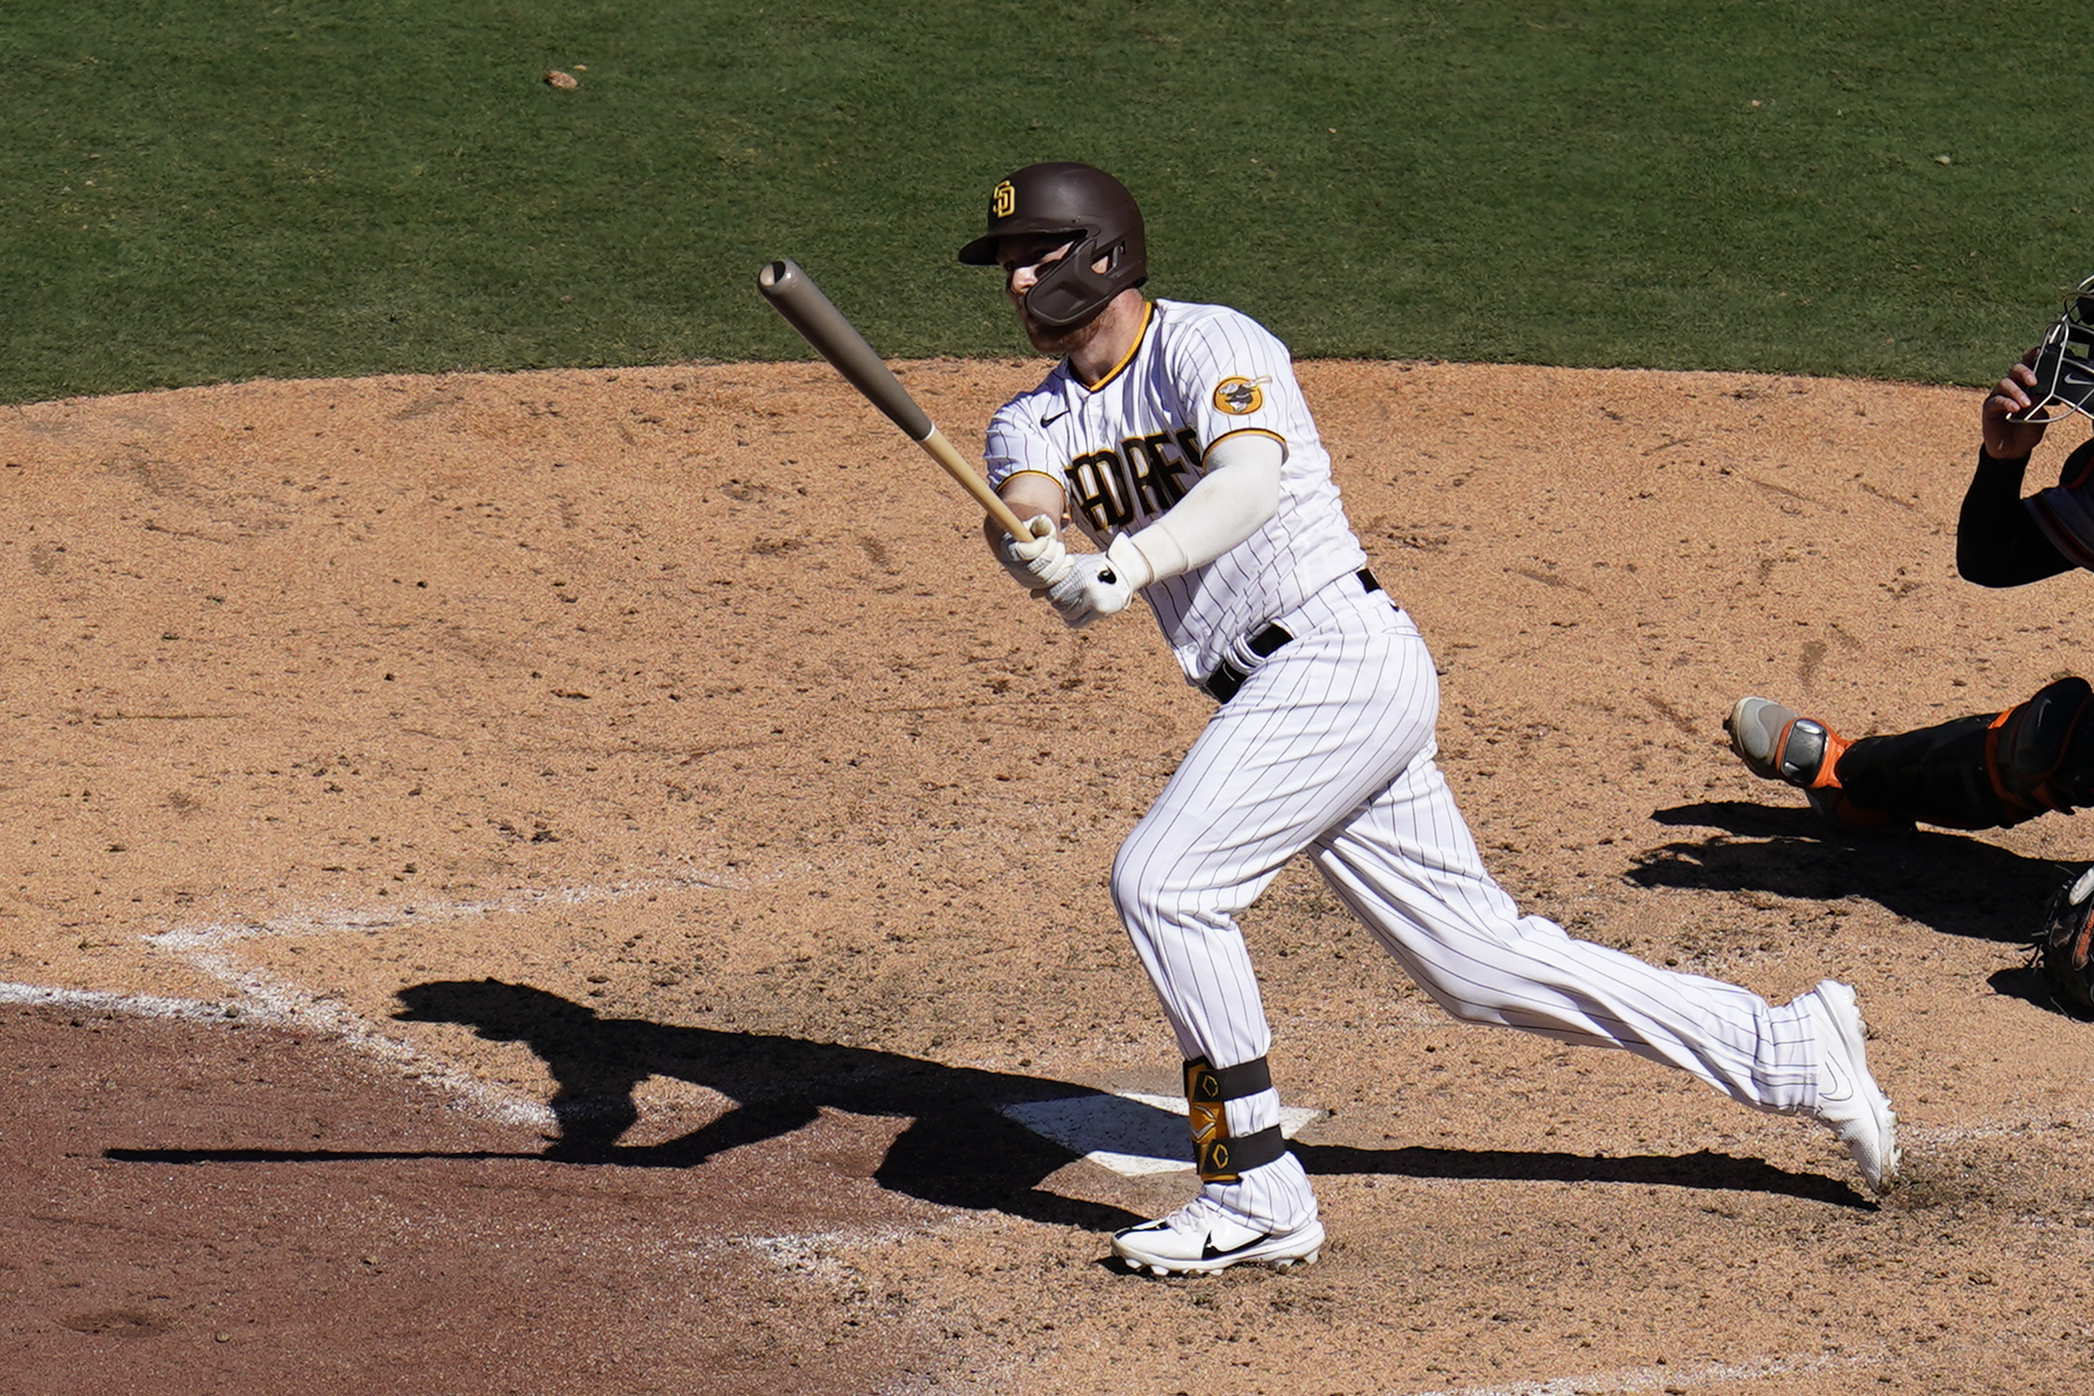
x,y
1012,449
1234,375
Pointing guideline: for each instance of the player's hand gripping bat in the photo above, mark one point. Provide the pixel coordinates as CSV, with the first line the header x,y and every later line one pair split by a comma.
x,y
793,294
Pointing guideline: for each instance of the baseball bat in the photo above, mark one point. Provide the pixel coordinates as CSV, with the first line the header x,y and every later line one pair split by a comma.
x,y
793,294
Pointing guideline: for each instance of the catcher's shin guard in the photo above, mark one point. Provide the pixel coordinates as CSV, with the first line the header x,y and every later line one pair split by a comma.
x,y
1208,1091
1983,771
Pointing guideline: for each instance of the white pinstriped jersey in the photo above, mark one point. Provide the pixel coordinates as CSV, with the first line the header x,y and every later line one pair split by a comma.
x,y
1127,448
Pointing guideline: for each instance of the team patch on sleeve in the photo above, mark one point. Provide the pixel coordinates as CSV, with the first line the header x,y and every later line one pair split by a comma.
x,y
1239,396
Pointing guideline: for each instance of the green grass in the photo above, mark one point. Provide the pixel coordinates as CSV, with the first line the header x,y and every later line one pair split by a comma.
x,y
205,191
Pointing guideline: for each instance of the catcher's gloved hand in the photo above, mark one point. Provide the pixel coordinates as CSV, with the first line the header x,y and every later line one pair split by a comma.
x,y
1100,584
2066,944
1039,559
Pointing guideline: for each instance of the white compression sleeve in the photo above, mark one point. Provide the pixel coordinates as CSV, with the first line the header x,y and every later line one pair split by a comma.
x,y
1240,491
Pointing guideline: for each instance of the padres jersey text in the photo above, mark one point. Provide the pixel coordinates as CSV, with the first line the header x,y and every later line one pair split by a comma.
x,y
1127,448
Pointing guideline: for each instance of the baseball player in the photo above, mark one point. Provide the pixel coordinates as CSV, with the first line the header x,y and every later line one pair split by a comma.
x,y
1995,769
1175,438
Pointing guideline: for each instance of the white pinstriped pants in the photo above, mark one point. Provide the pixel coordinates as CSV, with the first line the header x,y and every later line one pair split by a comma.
x,y
1328,747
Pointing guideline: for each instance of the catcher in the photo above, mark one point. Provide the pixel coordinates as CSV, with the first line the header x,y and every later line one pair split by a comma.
x,y
1988,770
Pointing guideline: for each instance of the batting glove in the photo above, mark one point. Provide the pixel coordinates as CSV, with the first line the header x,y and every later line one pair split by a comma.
x,y
1038,560
1100,584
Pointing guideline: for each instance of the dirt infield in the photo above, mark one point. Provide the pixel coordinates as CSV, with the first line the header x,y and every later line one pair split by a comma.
x,y
575,881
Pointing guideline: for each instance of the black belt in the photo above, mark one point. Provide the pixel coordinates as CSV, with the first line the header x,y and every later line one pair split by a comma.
x,y
1221,685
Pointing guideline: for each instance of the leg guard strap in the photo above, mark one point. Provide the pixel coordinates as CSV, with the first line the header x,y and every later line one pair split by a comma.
x,y
1211,1084
1208,1090
1224,1160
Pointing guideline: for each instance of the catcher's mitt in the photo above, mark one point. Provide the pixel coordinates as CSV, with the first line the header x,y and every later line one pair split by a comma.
x,y
2067,939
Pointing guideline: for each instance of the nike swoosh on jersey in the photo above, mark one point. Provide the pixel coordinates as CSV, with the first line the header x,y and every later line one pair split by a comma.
x,y
1050,421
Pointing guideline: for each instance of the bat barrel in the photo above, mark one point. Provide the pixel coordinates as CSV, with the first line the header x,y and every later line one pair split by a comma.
x,y
793,294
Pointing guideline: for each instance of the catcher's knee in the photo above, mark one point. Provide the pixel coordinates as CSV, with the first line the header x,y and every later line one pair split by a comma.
x,y
2039,754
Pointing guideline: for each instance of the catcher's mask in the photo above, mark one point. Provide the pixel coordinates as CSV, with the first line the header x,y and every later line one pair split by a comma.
x,y
2065,362
1093,209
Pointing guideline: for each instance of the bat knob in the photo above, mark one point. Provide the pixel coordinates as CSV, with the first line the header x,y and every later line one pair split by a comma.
x,y
1107,576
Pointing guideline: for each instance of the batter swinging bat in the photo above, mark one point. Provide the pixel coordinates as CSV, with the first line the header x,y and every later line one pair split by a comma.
x,y
793,294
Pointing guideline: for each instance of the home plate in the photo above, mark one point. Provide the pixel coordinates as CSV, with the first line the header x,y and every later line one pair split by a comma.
x,y
1128,1132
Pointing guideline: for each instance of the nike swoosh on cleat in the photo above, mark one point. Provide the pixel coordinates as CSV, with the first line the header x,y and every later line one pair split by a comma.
x,y
1208,1252
1843,1086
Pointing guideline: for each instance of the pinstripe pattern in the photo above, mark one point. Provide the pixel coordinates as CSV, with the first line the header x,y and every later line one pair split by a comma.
x,y
1328,749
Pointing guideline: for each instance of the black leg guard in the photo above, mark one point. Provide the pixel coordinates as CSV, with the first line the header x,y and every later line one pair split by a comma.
x,y
1208,1091
1983,771
1936,775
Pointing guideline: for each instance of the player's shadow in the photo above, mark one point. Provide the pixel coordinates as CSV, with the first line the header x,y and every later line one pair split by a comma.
x,y
960,1148
1701,1169
1955,883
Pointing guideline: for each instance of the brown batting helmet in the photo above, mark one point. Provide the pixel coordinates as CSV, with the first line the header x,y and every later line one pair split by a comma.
x,y
1089,205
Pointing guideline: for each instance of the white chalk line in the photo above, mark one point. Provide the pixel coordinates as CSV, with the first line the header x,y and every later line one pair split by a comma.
x,y
1653,1378
261,999
264,998
1666,1378
204,947
1990,1129
287,1003
305,921
132,1005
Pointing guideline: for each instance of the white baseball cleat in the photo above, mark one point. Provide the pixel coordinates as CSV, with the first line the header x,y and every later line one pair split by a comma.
x,y
1849,1101
1200,1238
